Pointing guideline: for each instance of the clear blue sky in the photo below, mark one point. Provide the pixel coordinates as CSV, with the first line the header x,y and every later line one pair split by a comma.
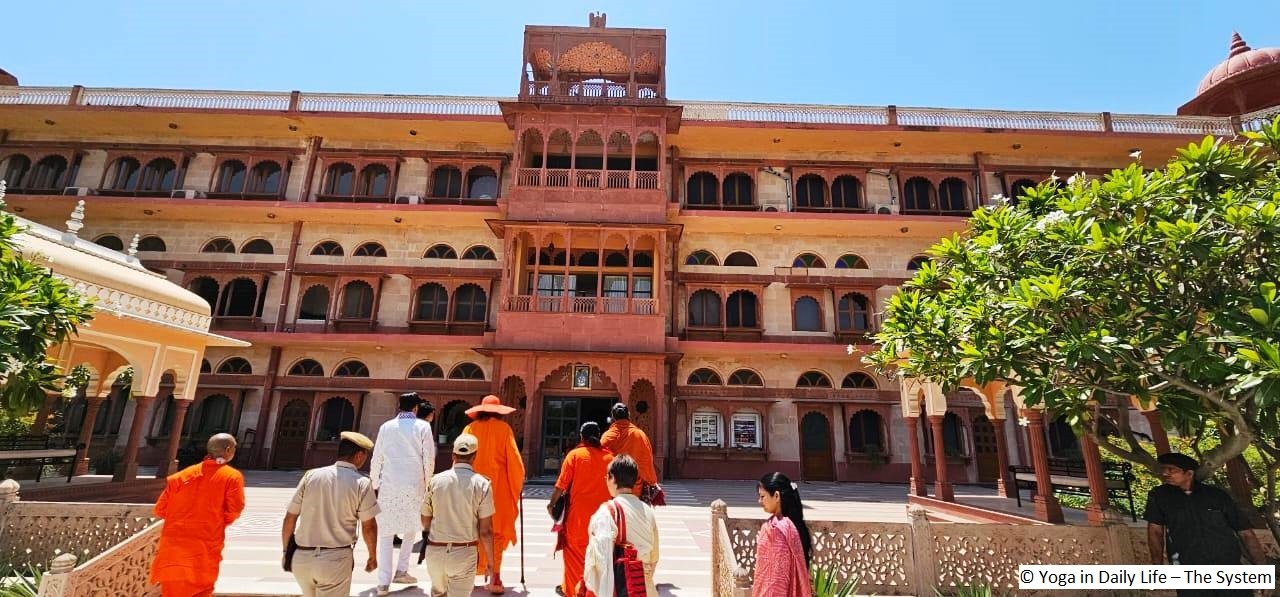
x,y
1088,55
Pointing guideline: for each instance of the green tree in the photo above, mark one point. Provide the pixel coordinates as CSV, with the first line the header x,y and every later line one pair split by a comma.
x,y
1158,284
37,311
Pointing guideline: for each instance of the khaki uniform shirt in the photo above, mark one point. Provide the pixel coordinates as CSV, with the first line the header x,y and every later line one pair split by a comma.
x,y
457,500
330,502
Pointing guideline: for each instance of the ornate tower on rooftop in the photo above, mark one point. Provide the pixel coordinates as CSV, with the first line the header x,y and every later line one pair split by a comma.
x,y
1247,80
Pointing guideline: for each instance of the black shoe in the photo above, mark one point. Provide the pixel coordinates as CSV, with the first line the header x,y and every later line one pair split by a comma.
x,y
559,591
397,541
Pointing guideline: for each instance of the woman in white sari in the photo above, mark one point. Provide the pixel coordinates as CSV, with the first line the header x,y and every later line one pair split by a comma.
x,y
642,532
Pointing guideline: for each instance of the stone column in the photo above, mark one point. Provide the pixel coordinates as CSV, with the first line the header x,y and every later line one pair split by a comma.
x,y
1002,460
92,405
1158,434
941,486
1047,507
170,463
1098,499
42,416
129,468
918,483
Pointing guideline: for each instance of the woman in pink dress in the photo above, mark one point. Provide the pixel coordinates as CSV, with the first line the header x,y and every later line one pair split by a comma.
x,y
783,546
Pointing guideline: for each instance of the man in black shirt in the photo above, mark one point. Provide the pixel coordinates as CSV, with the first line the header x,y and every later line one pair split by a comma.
x,y
1198,523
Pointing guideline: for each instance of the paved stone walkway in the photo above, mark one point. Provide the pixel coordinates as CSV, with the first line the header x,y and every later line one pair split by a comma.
x,y
251,565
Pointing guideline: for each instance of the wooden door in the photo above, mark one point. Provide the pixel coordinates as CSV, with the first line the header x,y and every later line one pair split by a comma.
x,y
291,434
816,460
560,420
984,447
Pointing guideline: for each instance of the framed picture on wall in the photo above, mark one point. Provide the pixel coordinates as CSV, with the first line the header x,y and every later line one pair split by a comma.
x,y
582,377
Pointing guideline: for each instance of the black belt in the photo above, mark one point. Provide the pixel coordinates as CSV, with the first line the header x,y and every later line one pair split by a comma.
x,y
448,544
322,548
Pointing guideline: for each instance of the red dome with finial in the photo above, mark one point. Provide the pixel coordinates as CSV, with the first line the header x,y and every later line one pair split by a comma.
x,y
1240,60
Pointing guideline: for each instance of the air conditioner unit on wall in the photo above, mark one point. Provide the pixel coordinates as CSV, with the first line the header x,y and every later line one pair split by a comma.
x,y
185,194
77,191
885,208
409,200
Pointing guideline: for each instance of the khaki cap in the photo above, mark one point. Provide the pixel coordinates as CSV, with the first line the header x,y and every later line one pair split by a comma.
x,y
466,444
358,439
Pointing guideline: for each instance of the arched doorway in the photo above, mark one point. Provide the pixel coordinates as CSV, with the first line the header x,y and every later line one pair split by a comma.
x,y
984,448
291,434
449,425
816,461
571,396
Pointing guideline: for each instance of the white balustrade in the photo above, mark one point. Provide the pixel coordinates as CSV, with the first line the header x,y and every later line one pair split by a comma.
x,y
1001,119
42,96
399,104
1171,125
183,98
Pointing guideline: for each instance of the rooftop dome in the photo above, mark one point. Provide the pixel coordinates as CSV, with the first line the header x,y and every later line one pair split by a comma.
x,y
1240,59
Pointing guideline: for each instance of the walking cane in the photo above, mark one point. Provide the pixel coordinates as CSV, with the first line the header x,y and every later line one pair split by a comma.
x,y
522,585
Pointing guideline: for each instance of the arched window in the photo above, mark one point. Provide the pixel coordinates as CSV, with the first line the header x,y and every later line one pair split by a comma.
x,y
235,366
811,191
467,371
739,190
453,419
739,259
219,245
159,176
813,379
446,182
351,369
432,304
375,181
641,259
110,241
440,251
1062,439
917,194
205,288
808,260
858,380
214,416
124,176
426,370
704,309
615,259
740,310
370,250
327,248
205,367
866,432
15,169
704,377
482,183
953,195
308,368
258,246
231,177
851,261
241,298
470,304
265,178
153,244
917,262
357,300
1020,187
702,189
340,179
337,415
701,257
846,192
745,377
47,175
808,315
314,304
952,435
853,314
479,252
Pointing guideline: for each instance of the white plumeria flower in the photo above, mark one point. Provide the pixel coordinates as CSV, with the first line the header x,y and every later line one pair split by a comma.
x,y
1023,421
848,349
1137,154
69,391
1051,219
999,199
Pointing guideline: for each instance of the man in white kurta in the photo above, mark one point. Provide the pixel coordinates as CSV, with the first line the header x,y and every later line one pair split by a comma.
x,y
404,458
642,531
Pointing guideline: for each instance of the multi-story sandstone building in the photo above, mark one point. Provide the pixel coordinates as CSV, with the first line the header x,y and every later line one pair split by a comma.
x,y
587,241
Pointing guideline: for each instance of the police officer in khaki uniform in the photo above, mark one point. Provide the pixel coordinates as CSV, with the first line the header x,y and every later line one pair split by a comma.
x,y
322,518
458,515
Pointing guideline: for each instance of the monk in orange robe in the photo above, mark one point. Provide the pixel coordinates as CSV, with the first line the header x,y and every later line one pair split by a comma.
x,y
582,476
625,438
499,460
197,505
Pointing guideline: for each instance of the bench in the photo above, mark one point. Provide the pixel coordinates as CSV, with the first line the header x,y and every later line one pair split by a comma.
x,y
38,451
1070,476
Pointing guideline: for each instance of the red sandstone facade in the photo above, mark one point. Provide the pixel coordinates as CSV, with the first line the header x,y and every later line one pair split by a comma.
x,y
585,242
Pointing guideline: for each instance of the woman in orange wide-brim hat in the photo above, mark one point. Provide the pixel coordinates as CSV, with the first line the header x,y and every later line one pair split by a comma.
x,y
499,460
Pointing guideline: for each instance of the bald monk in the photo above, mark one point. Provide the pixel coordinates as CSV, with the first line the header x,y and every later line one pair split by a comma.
x,y
582,476
197,505
499,461
625,438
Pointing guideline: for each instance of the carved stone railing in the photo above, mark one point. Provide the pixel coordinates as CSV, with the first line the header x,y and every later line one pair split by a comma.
x,y
1001,119
1170,125
919,557
35,532
186,99
1256,120
399,104
798,113
582,304
124,569
55,96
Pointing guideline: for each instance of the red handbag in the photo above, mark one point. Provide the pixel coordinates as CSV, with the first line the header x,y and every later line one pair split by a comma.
x,y
628,570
